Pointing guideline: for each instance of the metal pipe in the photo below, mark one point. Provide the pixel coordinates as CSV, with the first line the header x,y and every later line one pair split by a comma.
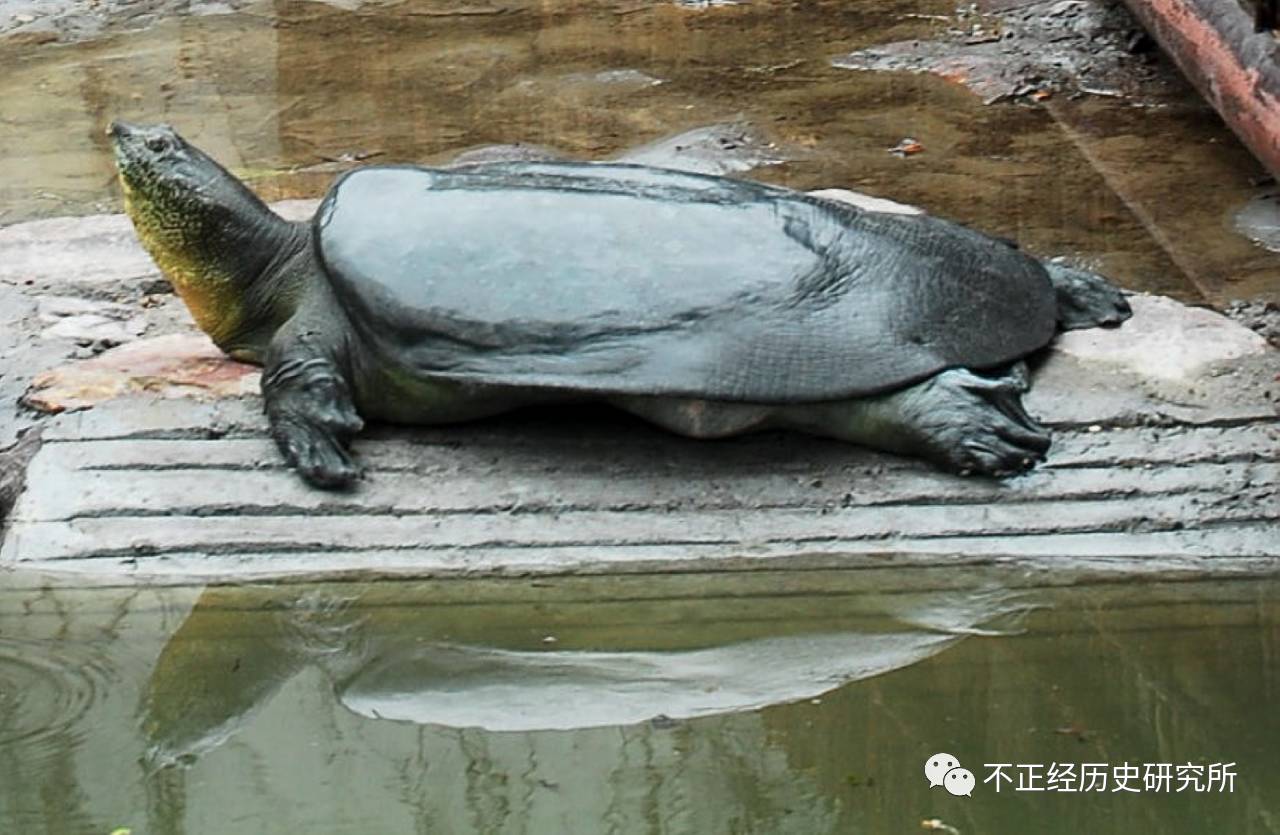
x,y
1236,67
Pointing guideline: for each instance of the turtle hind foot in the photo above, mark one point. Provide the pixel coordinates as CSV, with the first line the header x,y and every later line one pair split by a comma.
x,y
970,423
312,418
989,431
1085,299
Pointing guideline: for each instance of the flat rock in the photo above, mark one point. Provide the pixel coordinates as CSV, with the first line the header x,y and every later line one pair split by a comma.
x,y
51,309
1166,461
1259,220
97,331
94,255
726,148
178,365
1138,482
1165,339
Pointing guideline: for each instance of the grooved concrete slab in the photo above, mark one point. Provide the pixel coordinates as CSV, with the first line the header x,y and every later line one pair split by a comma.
x,y
1150,472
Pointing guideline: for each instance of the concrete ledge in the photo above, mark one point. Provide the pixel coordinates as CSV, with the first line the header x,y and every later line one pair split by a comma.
x,y
1166,461
1150,473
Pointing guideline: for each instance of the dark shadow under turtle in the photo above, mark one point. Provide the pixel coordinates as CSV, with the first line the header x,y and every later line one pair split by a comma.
x,y
706,305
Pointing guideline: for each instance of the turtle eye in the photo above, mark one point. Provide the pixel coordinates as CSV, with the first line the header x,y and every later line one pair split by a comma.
x,y
157,144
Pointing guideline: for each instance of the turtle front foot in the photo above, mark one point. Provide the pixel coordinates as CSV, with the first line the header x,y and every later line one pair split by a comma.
x,y
316,453
312,418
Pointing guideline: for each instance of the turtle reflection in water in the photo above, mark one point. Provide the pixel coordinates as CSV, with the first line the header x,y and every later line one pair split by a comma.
x,y
706,305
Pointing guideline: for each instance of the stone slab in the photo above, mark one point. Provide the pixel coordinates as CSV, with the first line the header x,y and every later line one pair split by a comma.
x,y
167,490
175,365
1166,460
97,256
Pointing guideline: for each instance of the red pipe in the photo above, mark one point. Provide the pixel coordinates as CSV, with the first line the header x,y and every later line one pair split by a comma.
x,y
1235,67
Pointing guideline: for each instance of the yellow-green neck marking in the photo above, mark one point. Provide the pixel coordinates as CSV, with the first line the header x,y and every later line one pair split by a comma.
x,y
232,260
205,282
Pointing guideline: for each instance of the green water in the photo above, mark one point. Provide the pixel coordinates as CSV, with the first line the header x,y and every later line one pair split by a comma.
x,y
768,703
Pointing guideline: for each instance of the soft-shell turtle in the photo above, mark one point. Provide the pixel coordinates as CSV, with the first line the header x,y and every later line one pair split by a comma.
x,y
707,305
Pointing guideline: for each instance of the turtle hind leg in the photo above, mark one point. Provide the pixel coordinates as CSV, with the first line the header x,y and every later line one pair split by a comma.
x,y
1085,299
312,415
965,422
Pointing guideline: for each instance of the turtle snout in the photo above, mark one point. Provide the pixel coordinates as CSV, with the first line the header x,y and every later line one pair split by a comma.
x,y
119,130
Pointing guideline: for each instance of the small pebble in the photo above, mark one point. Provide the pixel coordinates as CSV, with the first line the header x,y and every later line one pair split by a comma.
x,y
907,147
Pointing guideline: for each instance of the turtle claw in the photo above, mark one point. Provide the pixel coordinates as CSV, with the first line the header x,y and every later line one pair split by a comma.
x,y
970,424
327,464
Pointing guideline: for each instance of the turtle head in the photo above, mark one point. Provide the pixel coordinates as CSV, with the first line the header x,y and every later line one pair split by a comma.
x,y
167,180
210,235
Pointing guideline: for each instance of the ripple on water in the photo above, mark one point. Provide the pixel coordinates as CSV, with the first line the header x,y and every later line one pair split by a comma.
x,y
46,688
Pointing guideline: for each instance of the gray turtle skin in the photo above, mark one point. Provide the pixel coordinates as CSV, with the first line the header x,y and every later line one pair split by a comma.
x,y
706,305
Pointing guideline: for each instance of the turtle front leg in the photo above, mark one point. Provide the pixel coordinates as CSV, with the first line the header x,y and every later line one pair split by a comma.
x,y
310,408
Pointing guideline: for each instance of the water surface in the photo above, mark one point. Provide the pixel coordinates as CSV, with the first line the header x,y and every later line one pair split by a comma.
x,y
608,705
291,91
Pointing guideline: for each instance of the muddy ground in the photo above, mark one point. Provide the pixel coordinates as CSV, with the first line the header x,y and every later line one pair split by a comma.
x,y
1011,49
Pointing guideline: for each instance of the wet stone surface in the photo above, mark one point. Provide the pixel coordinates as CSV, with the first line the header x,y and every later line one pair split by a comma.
x,y
1259,219
36,22
1031,49
1166,431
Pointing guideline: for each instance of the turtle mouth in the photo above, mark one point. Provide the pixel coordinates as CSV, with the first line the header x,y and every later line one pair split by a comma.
x,y
122,135
118,129
127,148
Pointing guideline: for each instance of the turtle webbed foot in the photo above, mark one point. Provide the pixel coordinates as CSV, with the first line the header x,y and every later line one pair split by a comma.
x,y
964,421
312,418
318,455
973,424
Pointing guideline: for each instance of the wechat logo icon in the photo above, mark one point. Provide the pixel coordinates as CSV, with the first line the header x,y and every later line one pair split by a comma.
x,y
945,770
